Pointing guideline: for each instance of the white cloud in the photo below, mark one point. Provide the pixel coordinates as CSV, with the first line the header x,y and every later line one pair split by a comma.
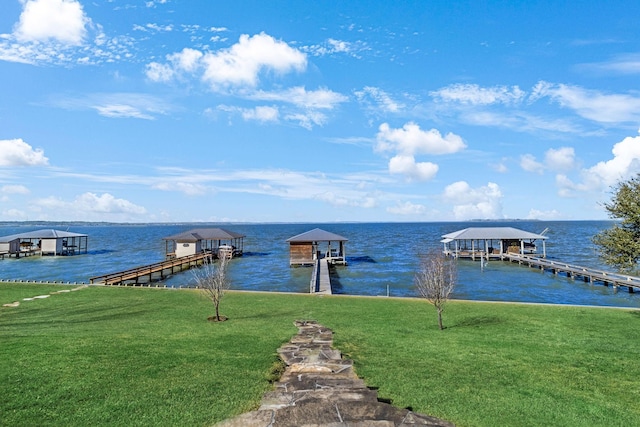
x,y
624,164
473,94
605,174
14,189
307,119
411,140
323,99
559,160
238,66
591,104
241,64
544,215
60,20
471,203
90,203
159,72
622,64
333,46
14,215
16,152
407,166
529,163
116,105
261,113
407,208
188,188
562,159
378,99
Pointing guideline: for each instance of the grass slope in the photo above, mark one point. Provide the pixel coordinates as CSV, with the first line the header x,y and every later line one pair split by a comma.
x,y
131,356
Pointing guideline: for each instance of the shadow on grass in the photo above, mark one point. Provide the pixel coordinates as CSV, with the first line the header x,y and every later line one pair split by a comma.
x,y
78,315
478,321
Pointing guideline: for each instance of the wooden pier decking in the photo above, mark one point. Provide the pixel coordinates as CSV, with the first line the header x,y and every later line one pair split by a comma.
x,y
320,280
589,275
147,272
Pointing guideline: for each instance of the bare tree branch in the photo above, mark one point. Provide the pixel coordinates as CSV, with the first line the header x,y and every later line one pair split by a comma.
x,y
212,280
436,279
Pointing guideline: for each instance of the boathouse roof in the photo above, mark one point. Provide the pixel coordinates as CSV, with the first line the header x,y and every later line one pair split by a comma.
x,y
491,233
317,235
41,234
205,234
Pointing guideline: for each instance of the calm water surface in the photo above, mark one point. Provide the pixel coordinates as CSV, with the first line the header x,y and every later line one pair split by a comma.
x,y
382,258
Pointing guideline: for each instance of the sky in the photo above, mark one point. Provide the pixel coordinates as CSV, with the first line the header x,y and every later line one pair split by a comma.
x,y
295,111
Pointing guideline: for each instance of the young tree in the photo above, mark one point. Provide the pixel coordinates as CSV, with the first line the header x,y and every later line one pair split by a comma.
x,y
619,245
436,279
212,280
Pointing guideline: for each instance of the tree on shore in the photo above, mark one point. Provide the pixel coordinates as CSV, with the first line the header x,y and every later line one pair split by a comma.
x,y
213,281
619,246
435,280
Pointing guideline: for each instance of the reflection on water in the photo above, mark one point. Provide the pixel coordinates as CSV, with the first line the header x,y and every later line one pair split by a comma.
x,y
382,259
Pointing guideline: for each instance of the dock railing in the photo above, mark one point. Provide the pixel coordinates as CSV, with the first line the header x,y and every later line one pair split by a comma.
x,y
587,274
148,270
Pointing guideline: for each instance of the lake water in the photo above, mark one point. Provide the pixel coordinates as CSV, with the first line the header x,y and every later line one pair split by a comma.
x,y
382,258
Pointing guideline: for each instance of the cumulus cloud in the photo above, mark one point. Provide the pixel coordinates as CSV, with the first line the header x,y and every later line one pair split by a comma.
x,y
470,203
529,163
407,166
411,140
473,94
561,159
238,66
241,64
591,104
16,152
60,20
624,164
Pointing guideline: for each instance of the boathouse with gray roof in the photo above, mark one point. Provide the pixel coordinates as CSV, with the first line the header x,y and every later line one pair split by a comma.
x,y
218,241
306,248
44,242
492,242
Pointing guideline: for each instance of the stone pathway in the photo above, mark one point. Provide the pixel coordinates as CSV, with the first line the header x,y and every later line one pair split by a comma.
x,y
17,303
319,388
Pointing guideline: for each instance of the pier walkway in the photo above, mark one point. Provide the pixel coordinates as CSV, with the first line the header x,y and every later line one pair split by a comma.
x,y
147,273
320,280
589,275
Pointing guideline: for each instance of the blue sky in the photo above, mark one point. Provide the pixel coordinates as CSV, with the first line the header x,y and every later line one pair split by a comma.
x,y
291,111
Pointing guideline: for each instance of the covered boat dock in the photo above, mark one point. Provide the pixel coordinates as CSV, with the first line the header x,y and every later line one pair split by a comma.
x,y
492,242
217,241
43,242
307,248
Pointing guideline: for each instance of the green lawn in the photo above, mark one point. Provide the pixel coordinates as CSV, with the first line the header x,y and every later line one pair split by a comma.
x,y
136,356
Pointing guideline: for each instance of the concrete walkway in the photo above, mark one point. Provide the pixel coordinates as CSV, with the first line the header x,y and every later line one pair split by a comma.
x,y
319,388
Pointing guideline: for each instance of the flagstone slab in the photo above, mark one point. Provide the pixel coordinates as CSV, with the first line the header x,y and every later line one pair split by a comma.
x,y
320,389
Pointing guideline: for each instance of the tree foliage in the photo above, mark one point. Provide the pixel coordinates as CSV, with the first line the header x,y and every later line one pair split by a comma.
x,y
619,245
435,280
213,281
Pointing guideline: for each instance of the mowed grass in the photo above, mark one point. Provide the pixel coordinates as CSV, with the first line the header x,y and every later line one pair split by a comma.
x,y
135,356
